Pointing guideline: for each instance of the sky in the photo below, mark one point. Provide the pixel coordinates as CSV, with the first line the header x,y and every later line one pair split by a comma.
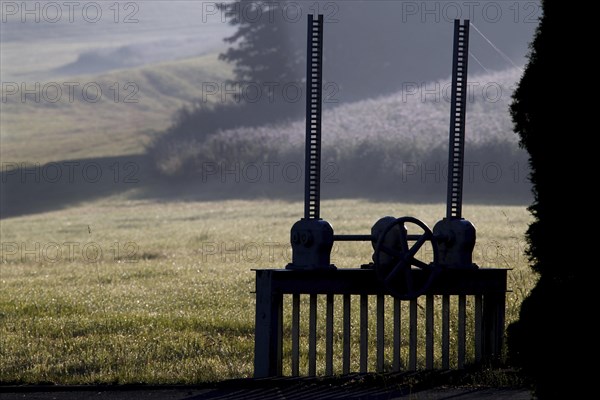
x,y
41,40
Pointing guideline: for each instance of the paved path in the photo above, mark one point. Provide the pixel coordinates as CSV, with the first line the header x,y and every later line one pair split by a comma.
x,y
293,392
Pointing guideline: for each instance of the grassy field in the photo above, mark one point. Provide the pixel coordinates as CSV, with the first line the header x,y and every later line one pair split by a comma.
x,y
123,291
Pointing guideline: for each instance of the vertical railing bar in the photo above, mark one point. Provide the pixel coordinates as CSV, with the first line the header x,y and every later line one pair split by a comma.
x,y
397,335
493,315
445,331
462,323
364,332
380,332
478,328
295,334
429,319
267,354
329,336
412,350
346,333
280,336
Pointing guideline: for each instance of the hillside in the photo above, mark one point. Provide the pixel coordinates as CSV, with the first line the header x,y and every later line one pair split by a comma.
x,y
133,105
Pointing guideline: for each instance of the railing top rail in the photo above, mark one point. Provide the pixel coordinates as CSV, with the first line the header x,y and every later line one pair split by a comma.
x,y
364,281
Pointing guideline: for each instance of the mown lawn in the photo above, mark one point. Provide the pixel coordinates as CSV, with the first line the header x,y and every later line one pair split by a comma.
x,y
123,291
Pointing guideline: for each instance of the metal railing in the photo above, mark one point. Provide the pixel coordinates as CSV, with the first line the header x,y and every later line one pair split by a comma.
x,y
477,313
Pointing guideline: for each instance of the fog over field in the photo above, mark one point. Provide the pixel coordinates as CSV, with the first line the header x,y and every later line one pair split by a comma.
x,y
102,36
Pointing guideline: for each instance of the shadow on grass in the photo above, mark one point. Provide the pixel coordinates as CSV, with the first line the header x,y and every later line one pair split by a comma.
x,y
31,189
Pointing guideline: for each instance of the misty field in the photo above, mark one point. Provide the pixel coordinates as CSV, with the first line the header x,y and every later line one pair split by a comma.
x,y
125,291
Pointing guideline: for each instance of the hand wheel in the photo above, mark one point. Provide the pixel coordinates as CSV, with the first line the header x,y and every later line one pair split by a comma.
x,y
392,263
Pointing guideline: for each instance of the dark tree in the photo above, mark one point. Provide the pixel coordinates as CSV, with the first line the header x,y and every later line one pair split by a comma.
x,y
267,59
548,338
262,50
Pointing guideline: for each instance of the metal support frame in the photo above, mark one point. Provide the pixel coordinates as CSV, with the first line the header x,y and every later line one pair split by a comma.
x,y
310,273
486,283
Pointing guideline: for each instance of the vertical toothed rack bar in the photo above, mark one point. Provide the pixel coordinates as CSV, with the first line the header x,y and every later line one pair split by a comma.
x,y
457,120
314,83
